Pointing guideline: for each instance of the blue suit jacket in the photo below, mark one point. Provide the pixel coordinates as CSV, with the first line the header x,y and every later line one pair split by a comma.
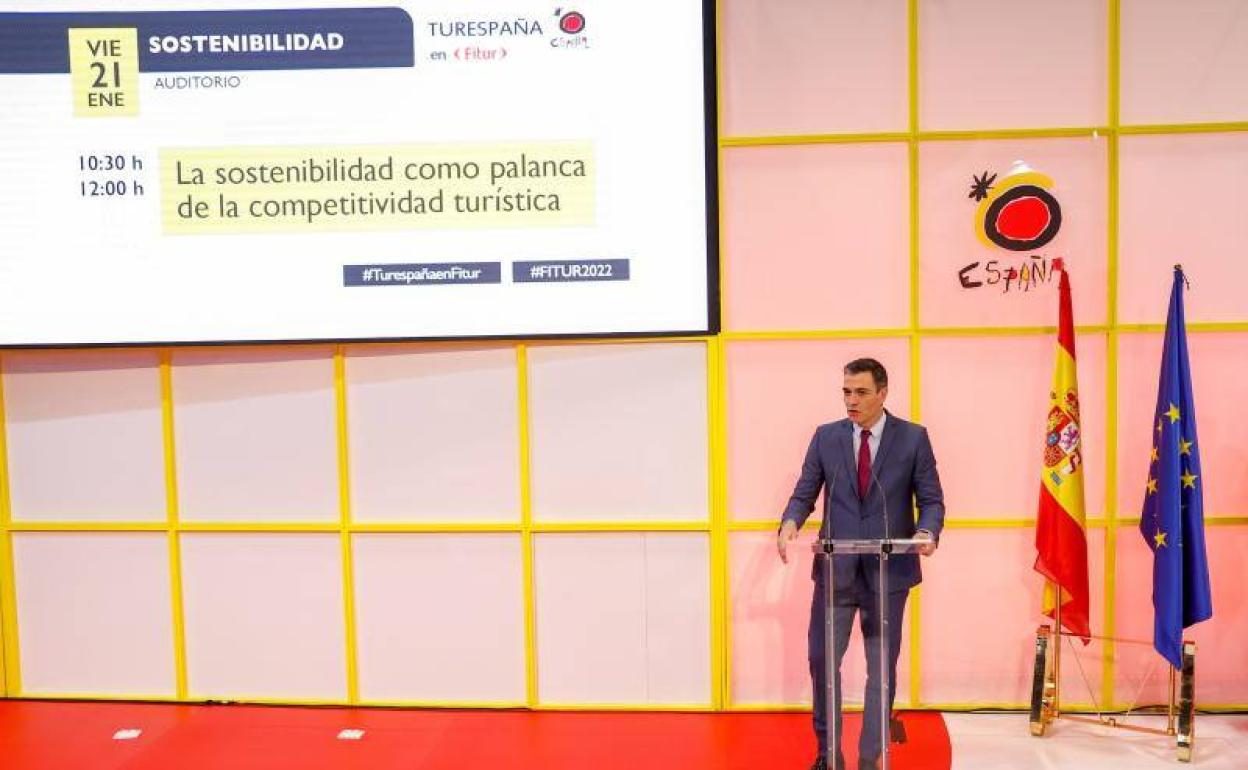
x,y
906,471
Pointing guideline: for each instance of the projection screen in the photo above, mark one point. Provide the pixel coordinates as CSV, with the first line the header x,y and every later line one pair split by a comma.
x,y
186,173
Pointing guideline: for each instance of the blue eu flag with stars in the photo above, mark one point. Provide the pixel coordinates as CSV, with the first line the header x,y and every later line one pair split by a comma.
x,y
1173,519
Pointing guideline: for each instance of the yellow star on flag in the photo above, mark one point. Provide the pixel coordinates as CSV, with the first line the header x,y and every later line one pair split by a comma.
x,y
1152,486
1159,425
1154,454
1160,539
1189,480
1173,414
1185,447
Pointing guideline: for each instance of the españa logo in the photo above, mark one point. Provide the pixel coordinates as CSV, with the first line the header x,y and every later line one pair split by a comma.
x,y
1020,215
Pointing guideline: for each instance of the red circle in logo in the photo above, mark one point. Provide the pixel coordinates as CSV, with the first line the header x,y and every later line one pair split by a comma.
x,y
572,22
1023,219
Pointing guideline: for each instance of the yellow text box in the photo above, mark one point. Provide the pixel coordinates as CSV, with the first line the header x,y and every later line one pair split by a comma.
x,y
266,189
104,70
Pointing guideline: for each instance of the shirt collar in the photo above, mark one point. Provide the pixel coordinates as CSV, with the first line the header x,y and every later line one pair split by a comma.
x,y
877,430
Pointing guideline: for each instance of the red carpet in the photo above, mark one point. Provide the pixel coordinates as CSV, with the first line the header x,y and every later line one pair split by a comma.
x,y
79,736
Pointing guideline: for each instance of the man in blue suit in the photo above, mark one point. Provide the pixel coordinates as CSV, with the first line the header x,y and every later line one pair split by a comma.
x,y
870,466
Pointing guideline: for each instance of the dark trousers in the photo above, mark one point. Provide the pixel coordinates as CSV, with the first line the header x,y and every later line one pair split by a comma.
x,y
851,600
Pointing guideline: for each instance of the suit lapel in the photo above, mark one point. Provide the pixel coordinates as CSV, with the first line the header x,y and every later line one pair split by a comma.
x,y
845,443
886,443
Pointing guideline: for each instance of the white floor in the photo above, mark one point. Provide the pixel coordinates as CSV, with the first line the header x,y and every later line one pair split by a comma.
x,y
1002,742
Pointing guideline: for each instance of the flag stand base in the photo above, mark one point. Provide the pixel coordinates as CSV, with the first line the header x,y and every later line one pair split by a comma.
x,y
1046,701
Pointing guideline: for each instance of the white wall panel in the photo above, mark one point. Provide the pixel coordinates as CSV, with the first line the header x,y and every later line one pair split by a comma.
x,y
678,628
439,617
94,614
622,618
618,431
256,434
433,434
84,435
264,615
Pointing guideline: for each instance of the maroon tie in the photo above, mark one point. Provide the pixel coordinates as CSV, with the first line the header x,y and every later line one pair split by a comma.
x,y
864,464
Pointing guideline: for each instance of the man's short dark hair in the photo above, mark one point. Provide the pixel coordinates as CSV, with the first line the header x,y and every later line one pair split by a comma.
x,y
878,373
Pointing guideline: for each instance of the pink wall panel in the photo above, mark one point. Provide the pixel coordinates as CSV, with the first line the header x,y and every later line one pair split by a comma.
x,y
948,241
981,607
778,393
678,626
1221,654
256,434
770,606
1184,62
590,622
1219,370
94,613
417,639
622,617
84,437
988,64
816,237
428,425
264,615
618,432
1182,201
809,67
985,401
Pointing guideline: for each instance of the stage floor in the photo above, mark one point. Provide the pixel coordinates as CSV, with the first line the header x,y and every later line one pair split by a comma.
x,y
47,735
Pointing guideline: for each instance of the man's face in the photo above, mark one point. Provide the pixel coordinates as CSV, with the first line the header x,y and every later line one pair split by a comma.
x,y
863,400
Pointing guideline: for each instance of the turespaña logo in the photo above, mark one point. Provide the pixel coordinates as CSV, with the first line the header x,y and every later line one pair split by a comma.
x,y
1018,214
570,23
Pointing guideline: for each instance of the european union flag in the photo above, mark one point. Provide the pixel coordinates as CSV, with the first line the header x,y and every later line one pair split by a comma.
x,y
1173,519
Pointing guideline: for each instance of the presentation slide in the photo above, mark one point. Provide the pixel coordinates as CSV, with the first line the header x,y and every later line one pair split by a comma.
x,y
201,172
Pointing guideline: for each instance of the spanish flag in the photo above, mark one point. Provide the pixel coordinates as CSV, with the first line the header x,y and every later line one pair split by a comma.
x,y
1061,540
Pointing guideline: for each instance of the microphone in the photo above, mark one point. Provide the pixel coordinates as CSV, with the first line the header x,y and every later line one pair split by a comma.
x,y
887,536
883,497
827,505
888,686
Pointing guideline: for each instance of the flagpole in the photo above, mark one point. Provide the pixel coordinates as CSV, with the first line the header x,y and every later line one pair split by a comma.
x,y
1057,651
1170,706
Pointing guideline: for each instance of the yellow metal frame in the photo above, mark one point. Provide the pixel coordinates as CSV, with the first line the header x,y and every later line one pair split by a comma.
x,y
10,661
172,523
914,689
719,523
1110,544
344,524
526,529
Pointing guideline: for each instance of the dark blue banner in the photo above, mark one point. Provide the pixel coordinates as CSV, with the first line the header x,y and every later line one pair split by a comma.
x,y
426,274
200,41
570,270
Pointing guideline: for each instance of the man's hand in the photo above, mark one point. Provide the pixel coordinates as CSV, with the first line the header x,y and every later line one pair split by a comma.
x,y
928,548
788,533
